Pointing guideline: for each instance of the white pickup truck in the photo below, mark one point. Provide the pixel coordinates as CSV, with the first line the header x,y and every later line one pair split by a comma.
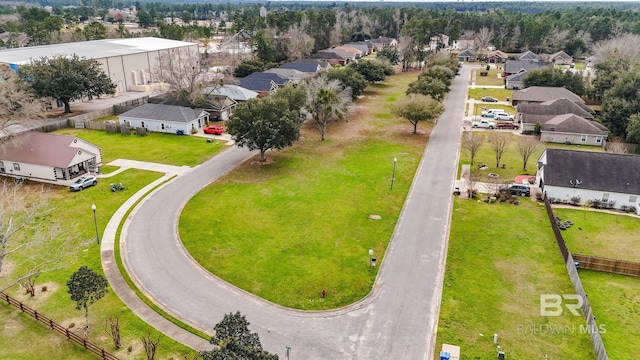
x,y
483,124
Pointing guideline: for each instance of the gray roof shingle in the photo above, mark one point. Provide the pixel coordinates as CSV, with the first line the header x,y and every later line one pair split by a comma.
x,y
607,172
571,123
164,112
514,66
545,93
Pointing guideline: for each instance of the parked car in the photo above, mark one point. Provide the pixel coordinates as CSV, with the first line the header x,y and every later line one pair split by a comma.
x,y
517,189
490,112
215,130
485,124
507,125
489,99
83,182
503,116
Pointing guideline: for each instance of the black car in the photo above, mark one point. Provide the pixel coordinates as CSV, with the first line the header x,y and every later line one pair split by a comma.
x,y
489,99
518,189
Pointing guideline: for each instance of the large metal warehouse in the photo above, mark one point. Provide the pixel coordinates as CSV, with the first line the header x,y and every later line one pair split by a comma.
x,y
131,63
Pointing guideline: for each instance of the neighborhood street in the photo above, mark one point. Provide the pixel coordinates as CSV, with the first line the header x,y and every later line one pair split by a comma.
x,y
398,320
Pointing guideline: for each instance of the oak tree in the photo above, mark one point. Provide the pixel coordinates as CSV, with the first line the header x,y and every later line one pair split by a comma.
x,y
85,288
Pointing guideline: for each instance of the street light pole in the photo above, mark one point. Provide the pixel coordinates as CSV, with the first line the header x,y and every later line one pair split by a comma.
x,y
393,174
95,222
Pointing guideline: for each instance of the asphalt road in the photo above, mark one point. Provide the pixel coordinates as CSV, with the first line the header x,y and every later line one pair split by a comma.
x,y
397,320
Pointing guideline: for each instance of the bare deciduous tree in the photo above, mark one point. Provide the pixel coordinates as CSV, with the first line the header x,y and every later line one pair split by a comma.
x,y
407,50
23,239
188,75
623,49
150,345
17,103
498,142
483,38
326,101
112,327
472,143
297,43
526,147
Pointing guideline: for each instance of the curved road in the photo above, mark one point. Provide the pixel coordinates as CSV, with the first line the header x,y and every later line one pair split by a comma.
x,y
398,320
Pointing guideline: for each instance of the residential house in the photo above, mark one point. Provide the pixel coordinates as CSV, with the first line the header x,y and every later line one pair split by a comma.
x,y
516,81
587,176
528,56
516,66
438,42
324,65
382,42
235,92
463,43
219,107
496,57
305,67
165,118
264,87
334,57
49,158
561,58
467,55
573,129
279,80
357,53
539,94
294,76
360,45
534,113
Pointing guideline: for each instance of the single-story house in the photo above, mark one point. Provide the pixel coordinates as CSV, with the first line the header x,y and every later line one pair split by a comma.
x,y
357,53
463,43
515,66
279,80
294,76
305,67
573,129
539,94
165,118
49,158
497,56
358,45
539,113
516,81
219,107
382,42
561,58
334,57
467,56
586,176
529,56
264,87
235,92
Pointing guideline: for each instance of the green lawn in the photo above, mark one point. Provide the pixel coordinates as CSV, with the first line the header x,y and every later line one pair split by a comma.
x,y
167,149
22,338
500,94
500,259
615,300
287,230
491,79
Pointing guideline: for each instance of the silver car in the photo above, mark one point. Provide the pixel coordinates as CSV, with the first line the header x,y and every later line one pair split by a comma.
x,y
83,182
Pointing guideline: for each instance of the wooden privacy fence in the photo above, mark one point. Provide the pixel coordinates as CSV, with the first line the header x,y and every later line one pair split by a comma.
x,y
58,328
608,265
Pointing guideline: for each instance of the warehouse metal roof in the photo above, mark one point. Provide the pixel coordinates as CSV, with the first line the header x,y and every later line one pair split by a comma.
x,y
95,49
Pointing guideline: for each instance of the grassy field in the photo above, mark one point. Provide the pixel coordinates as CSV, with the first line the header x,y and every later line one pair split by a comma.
x,y
22,338
496,270
615,300
300,224
167,149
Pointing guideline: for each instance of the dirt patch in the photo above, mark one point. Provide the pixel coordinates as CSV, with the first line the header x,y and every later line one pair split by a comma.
x,y
40,296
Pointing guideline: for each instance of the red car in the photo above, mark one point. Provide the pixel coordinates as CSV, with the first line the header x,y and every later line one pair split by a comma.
x,y
215,130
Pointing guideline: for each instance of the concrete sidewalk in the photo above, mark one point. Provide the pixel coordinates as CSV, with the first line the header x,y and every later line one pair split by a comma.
x,y
110,267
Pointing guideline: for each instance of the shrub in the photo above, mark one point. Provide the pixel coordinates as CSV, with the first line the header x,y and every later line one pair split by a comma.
x,y
575,200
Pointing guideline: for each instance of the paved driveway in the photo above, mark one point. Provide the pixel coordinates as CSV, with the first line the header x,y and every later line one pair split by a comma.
x,y
396,321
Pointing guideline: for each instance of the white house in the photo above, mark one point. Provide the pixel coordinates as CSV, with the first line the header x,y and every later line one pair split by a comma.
x,y
49,158
165,118
583,176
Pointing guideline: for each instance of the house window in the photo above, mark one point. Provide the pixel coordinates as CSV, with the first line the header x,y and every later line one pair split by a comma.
x,y
633,198
598,139
583,138
16,166
605,197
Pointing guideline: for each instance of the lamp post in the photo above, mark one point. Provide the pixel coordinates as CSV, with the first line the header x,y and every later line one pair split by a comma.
x,y
393,173
95,222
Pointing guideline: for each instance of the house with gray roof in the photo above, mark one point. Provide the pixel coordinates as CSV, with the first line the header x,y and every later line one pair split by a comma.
x,y
360,45
539,94
516,66
264,87
529,56
383,41
606,177
165,118
279,80
335,57
294,76
235,92
516,81
573,129
49,158
305,67
467,55
539,113
561,58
